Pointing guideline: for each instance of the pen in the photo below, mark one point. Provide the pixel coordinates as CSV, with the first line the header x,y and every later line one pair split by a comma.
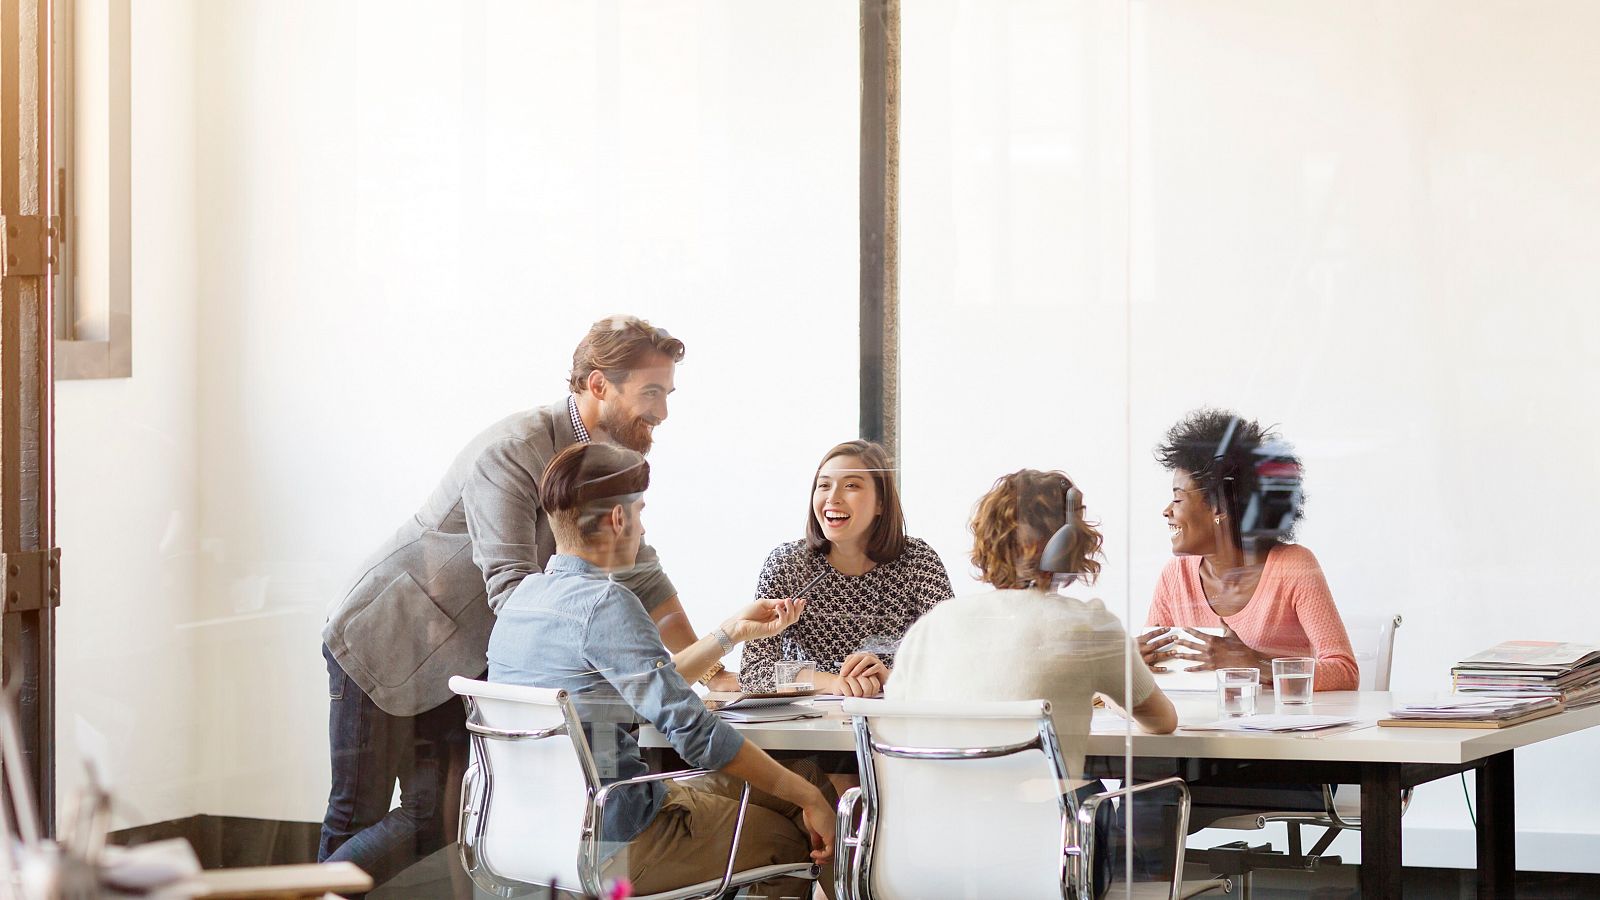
x,y
800,594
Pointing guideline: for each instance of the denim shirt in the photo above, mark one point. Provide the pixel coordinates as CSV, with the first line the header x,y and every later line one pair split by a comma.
x,y
575,629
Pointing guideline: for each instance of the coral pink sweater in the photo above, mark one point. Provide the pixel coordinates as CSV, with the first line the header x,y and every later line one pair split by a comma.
x,y
1290,614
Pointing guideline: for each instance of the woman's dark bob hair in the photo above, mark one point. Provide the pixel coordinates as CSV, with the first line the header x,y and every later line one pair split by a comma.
x,y
1248,473
887,539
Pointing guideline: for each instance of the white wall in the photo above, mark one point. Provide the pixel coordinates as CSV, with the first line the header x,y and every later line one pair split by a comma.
x,y
410,213
1369,223
126,454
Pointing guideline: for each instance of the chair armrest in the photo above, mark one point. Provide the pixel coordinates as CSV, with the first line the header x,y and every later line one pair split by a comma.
x,y
846,845
1091,805
598,804
1339,821
657,776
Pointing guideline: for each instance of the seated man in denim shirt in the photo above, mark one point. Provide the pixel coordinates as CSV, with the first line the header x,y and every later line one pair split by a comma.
x,y
576,629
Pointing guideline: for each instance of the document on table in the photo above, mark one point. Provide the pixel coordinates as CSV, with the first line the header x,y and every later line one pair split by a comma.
x,y
784,713
716,700
1277,724
1474,708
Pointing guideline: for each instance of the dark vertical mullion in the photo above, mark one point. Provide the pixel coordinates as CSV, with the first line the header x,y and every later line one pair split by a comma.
x,y
880,58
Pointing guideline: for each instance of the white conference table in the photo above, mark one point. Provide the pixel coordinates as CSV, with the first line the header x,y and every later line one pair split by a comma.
x,y
1382,760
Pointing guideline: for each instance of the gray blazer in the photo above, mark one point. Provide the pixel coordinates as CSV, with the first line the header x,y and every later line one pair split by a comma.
x,y
422,606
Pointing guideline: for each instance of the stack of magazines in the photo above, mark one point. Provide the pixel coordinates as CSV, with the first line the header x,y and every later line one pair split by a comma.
x,y
1473,712
1567,672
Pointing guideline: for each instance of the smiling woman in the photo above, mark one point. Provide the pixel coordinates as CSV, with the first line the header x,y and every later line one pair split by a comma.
x,y
868,581
1236,497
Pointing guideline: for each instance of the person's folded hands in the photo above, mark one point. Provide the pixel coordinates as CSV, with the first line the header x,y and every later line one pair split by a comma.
x,y
1159,646
859,664
1216,652
859,686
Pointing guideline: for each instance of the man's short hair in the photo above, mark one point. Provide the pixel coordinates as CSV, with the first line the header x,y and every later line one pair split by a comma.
x,y
616,345
584,482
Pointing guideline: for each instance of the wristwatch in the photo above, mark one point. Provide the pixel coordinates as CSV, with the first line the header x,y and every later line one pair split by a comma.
x,y
717,668
723,640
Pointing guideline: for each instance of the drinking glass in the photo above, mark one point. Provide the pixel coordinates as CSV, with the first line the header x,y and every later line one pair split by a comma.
x,y
794,675
1236,691
1292,678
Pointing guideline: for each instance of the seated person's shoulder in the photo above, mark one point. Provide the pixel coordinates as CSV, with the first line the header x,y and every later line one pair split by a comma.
x,y
614,595
1295,559
920,553
790,551
791,562
1090,613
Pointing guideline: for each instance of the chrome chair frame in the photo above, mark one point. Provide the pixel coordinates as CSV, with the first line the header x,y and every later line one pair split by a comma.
x,y
853,844
477,792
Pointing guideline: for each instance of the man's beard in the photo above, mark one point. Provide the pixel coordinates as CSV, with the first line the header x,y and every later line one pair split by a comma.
x,y
630,432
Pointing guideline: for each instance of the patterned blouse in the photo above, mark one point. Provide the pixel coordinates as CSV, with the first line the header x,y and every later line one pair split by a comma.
x,y
844,614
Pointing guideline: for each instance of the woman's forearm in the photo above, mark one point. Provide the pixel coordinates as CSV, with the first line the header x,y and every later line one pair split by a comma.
x,y
696,659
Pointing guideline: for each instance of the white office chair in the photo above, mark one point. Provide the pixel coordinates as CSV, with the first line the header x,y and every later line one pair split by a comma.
x,y
532,802
1372,639
967,800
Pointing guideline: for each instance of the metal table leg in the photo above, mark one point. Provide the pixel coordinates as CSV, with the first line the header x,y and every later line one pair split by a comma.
x,y
1497,827
1380,831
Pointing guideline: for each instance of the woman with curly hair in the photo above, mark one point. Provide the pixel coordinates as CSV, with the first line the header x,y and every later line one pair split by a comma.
x,y
1236,497
1024,641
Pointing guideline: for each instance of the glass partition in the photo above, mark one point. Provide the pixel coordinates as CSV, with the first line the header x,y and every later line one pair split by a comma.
x,y
1226,315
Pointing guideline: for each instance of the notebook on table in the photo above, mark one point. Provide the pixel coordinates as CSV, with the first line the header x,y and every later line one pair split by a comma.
x,y
721,700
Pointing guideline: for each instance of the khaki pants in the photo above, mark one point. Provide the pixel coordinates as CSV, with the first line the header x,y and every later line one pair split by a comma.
x,y
687,842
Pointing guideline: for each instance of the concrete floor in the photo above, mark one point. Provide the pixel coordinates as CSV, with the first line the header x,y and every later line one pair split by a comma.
x,y
440,877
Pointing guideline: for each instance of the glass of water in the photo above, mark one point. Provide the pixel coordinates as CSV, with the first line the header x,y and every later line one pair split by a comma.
x,y
1236,691
1292,679
794,675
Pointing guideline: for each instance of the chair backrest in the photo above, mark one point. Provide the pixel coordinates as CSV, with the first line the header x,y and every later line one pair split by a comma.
x,y
962,800
535,776
1372,639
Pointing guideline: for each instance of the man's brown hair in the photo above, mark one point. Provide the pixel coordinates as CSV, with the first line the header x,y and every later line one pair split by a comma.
x,y
887,539
1015,520
615,346
584,482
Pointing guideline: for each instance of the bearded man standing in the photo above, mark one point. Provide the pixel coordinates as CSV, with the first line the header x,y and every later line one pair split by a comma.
x,y
423,604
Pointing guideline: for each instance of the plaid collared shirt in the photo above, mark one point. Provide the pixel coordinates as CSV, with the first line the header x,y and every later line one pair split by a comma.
x,y
577,422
